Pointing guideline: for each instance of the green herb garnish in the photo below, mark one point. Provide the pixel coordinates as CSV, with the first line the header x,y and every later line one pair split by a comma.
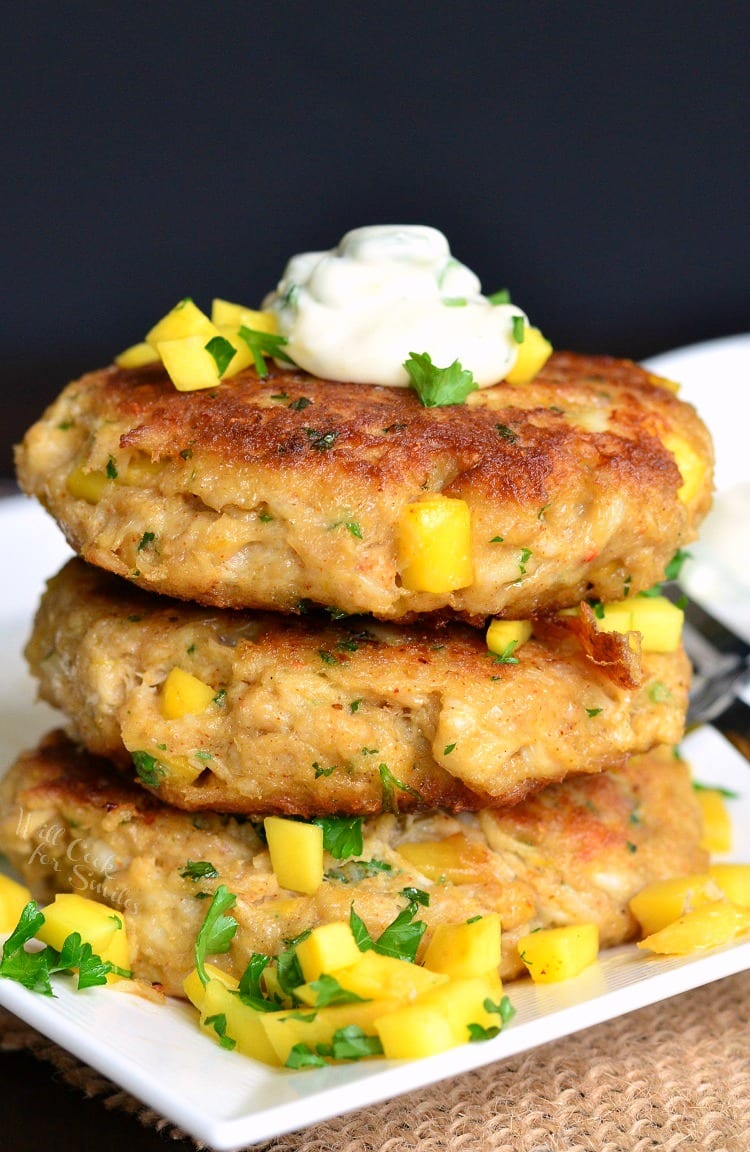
x,y
263,344
111,469
150,770
199,870
342,835
217,931
390,784
438,387
328,991
219,1025
502,296
221,352
146,539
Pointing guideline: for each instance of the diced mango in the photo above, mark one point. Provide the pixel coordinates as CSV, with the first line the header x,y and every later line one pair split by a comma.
x,y
455,858
242,1024
183,694
89,486
717,824
462,1002
734,882
13,899
704,927
195,989
296,851
180,769
137,356
184,320
189,363
502,633
414,1031
554,954
533,354
99,925
226,314
285,1029
327,948
662,902
692,467
659,622
374,975
434,545
464,950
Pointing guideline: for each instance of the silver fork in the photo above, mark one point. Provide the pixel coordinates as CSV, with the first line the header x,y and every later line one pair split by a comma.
x,y
721,670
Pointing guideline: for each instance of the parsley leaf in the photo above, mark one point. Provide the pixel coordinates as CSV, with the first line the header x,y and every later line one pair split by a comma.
x,y
519,329
28,968
217,930
399,939
416,896
506,433
504,1009
478,1032
437,387
727,793
302,1056
199,870
351,1043
219,1024
390,784
342,835
150,770
355,870
506,656
502,296
591,712
146,539
328,991
111,469
221,352
263,344
674,567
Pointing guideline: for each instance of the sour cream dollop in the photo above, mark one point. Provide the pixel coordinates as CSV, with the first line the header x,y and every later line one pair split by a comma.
x,y
358,311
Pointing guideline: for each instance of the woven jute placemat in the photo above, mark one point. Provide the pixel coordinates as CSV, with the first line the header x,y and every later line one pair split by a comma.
x,y
672,1076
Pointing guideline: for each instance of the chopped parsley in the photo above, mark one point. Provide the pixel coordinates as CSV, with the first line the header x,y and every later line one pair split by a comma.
x,y
327,657
263,344
727,793
199,870
519,329
597,608
322,771
302,1056
399,939
416,896
438,387
111,469
355,870
150,770
342,835
454,301
502,296
674,567
448,749
146,539
217,931
479,1032
220,698
321,441
506,433
351,1043
354,706
591,712
658,693
497,540
328,992
221,352
34,969
297,405
219,1025
390,786
526,554
353,527
506,656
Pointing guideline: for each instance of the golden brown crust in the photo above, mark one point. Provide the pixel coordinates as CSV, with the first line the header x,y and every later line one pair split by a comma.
x,y
575,853
317,717
254,484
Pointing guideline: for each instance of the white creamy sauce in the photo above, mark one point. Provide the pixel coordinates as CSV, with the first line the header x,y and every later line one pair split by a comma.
x,y
357,312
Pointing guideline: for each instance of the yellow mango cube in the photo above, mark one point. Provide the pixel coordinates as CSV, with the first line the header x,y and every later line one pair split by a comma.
x,y
375,976
734,881
243,355
238,1022
99,925
464,950
455,858
462,1002
434,545
285,1029
533,354
140,471
717,824
137,356
296,851
615,617
705,927
554,954
659,622
224,314
692,467
89,486
327,948
13,899
662,902
189,363
195,989
502,633
663,382
414,1031
184,320
183,694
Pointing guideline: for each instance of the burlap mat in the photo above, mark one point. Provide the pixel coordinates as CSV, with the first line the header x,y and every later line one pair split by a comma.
x,y
673,1076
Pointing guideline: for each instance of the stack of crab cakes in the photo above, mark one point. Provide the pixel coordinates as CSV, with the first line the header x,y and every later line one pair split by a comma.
x,y
281,609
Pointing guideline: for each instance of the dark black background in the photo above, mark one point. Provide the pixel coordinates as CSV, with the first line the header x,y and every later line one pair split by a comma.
x,y
592,157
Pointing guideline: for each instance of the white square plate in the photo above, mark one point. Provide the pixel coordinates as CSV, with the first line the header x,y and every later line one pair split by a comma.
x,y
158,1054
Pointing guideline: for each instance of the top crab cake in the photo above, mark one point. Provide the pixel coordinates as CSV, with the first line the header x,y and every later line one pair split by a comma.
x,y
271,492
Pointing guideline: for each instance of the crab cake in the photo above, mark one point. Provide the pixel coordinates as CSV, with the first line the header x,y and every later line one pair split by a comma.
x,y
267,493
575,853
262,713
